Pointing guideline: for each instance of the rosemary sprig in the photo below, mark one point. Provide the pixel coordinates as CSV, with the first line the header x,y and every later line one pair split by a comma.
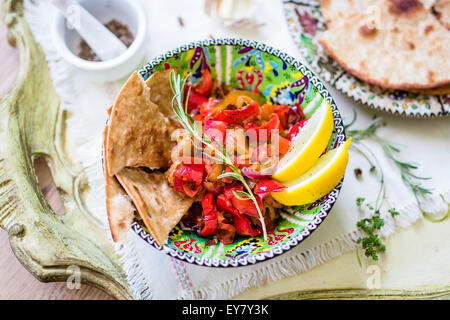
x,y
408,178
220,154
361,134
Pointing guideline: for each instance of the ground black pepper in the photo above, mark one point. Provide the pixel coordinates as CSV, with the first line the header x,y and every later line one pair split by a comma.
x,y
120,30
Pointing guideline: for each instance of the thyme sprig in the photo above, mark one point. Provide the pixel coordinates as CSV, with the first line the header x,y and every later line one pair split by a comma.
x,y
371,243
220,154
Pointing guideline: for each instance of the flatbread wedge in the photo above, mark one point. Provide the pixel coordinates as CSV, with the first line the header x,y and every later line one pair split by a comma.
x,y
160,91
395,44
119,207
160,207
139,134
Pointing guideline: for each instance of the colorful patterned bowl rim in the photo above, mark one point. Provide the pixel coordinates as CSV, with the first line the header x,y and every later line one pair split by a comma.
x,y
331,197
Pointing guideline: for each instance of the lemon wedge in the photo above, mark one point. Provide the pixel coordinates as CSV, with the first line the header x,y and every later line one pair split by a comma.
x,y
308,145
318,181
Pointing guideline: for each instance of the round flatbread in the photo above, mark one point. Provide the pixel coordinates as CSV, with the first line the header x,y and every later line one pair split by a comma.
x,y
433,91
441,10
395,44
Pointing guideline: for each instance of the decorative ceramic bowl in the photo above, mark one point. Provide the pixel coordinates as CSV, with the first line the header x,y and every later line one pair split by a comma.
x,y
280,79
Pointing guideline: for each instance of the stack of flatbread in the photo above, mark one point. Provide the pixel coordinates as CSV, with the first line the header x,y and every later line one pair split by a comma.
x,y
395,44
136,152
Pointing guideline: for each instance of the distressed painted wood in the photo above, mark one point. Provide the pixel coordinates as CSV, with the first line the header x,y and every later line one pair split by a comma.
x,y
31,127
436,293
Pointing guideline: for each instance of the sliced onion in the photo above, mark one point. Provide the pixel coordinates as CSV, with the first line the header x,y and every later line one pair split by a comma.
x,y
297,115
270,165
253,174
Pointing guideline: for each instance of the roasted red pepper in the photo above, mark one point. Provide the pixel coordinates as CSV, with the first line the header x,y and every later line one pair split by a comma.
x,y
283,113
188,188
238,116
230,203
224,213
243,226
264,132
228,191
294,130
210,215
198,94
203,87
208,107
261,153
216,130
299,110
226,201
195,99
266,186
189,173
264,151
224,204
225,231
188,180
283,145
247,207
178,185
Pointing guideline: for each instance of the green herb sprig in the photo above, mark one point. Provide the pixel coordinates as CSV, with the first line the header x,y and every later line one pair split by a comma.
x,y
220,154
371,242
409,179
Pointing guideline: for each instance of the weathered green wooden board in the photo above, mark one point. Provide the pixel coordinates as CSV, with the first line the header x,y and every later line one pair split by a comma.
x,y
32,126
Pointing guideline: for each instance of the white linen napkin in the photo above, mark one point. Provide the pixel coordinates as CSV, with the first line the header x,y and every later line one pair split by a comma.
x,y
152,273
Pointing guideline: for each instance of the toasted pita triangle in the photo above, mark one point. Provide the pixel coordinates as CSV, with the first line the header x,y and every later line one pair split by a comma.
x,y
160,91
139,134
119,208
158,204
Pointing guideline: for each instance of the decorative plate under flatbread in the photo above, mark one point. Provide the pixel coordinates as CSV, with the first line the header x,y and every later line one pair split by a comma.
x,y
307,25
